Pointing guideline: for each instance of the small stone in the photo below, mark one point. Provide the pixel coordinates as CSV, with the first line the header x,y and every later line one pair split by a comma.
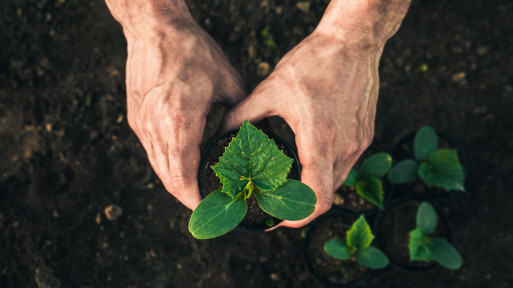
x,y
55,214
98,218
251,52
120,119
304,6
481,50
48,127
263,69
45,278
459,77
275,276
337,199
113,212
179,266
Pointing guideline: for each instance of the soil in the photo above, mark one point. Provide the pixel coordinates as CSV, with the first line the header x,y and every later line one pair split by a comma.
x,y
67,152
404,150
255,218
393,234
323,266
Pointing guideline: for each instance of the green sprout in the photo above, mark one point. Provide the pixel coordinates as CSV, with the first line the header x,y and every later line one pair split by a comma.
x,y
436,167
357,246
251,165
366,179
425,248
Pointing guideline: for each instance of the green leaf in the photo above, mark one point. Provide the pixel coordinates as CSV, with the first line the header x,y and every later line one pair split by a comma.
x,y
403,172
360,235
442,169
418,248
252,156
371,257
337,248
425,142
371,189
292,200
426,218
376,165
216,215
445,254
351,178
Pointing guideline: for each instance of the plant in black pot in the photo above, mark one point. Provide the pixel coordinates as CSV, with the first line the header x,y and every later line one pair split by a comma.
x,y
337,251
427,248
405,233
437,168
363,192
252,168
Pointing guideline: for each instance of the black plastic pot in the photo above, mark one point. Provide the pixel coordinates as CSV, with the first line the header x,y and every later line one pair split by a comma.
x,y
312,231
296,165
380,238
408,140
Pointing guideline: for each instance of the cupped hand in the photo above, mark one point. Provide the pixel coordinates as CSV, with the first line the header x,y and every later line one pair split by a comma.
x,y
174,73
326,90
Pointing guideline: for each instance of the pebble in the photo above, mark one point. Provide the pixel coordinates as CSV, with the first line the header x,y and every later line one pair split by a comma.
x,y
113,212
275,276
459,77
45,278
263,69
304,6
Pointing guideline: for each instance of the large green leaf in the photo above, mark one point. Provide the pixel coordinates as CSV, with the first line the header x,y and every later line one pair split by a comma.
x,y
360,235
351,178
442,169
426,218
376,165
371,257
252,156
445,254
371,189
403,172
425,142
216,215
292,200
418,248
337,248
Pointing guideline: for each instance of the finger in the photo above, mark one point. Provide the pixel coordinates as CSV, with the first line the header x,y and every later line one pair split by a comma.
x,y
233,87
255,107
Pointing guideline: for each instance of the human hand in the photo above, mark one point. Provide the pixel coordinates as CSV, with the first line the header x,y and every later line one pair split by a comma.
x,y
174,73
326,89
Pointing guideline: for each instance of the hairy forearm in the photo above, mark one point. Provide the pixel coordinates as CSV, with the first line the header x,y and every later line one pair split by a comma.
x,y
370,22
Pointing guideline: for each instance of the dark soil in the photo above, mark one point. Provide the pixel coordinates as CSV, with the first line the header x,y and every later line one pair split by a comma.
x,y
323,266
393,234
67,152
255,217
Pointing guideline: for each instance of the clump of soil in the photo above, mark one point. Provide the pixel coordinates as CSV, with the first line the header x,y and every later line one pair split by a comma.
x,y
209,181
393,234
323,266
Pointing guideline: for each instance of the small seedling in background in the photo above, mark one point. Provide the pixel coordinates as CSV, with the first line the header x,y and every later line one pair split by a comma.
x,y
425,248
268,37
251,165
357,245
366,179
436,167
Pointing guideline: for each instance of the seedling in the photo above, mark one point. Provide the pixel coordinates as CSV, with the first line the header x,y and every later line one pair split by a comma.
x,y
426,248
252,164
436,167
367,178
357,246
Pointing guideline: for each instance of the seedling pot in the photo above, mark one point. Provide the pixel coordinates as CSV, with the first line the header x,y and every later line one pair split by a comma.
x,y
208,181
322,267
404,149
392,227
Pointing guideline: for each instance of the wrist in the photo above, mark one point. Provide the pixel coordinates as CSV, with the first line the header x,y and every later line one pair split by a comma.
x,y
149,18
368,23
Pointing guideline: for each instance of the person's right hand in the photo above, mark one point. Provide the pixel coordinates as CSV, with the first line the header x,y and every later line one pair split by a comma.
x,y
174,73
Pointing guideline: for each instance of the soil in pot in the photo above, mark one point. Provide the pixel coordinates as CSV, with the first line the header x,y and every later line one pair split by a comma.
x,y
404,150
210,182
326,269
393,234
